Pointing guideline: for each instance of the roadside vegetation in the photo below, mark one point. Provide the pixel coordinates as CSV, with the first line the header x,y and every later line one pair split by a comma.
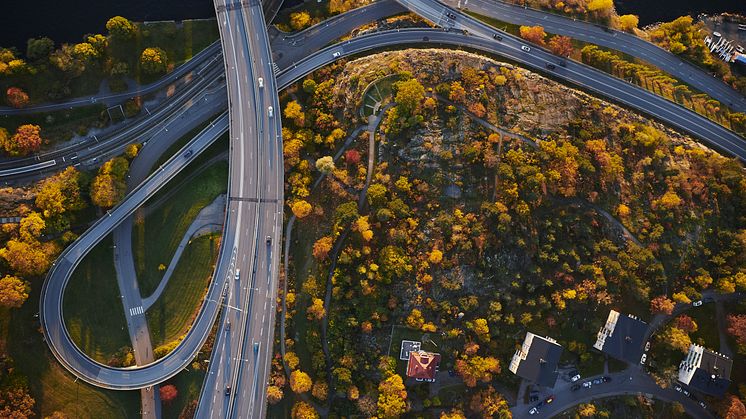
x,y
472,236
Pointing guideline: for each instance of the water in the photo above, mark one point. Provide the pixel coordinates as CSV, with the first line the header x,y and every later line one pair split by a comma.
x,y
651,11
68,20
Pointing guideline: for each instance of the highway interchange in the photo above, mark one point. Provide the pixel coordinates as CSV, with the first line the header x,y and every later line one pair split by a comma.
x,y
241,360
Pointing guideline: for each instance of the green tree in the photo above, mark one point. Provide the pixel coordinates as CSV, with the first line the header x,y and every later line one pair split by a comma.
x,y
38,49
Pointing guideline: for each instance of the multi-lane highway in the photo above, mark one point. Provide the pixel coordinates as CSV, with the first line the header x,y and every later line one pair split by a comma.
x,y
620,41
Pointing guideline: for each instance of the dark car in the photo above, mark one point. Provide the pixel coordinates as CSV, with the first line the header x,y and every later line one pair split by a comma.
x,y
606,379
563,63
269,239
188,153
498,37
575,387
551,66
228,390
425,38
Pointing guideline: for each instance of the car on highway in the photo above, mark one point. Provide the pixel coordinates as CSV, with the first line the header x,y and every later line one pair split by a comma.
x,y
238,274
697,303
188,153
533,411
270,112
497,37
336,54
525,48
269,239
228,326
228,390
587,384
575,387
551,66
256,347
451,15
563,63
260,82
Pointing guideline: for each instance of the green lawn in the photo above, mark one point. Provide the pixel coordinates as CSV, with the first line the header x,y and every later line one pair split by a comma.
x,y
92,306
59,125
53,388
707,327
173,313
156,238
188,384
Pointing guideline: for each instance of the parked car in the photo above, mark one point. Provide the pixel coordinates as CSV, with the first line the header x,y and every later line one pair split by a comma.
x,y
598,381
647,346
533,411
677,388
587,384
549,399
575,377
703,404
686,393
643,358
606,378
525,48
697,303
575,387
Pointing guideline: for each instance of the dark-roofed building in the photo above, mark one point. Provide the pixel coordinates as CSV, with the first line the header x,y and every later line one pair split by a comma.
x,y
623,337
537,360
422,365
408,346
706,371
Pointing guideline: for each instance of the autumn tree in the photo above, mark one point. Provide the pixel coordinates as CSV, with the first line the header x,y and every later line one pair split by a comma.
x,y
352,157
294,111
274,394
586,410
316,310
322,247
153,60
490,404
731,407
409,96
27,139
602,8
168,393
300,382
392,397
28,258
325,164
662,304
109,186
533,34
300,20
676,339
120,28
477,368
16,403
737,329
686,324
58,197
453,414
628,22
303,410
13,291
561,45
301,208
16,97
85,51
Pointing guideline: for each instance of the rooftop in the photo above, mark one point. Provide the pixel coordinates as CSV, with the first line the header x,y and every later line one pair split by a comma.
x,y
423,365
537,360
622,337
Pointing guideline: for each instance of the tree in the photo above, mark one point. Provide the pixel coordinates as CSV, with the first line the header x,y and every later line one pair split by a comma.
x,y
27,259
294,111
153,60
16,403
325,164
533,34
453,414
662,304
27,139
38,49
586,410
301,208
56,415
58,196
109,186
31,227
602,7
85,51
561,45
392,397
274,394
676,339
300,382
120,28
13,291
731,407
686,324
299,20
303,410
168,393
490,404
320,390
628,22
352,157
377,194
737,328
322,247
436,256
316,310
16,97
477,368
409,95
